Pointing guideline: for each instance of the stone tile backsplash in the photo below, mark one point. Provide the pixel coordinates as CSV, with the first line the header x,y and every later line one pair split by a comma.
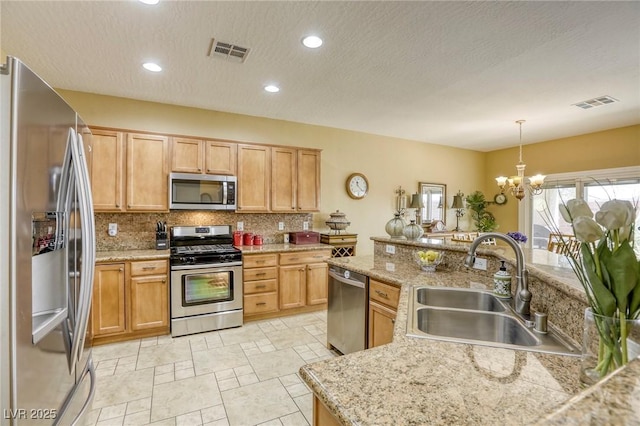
x,y
136,231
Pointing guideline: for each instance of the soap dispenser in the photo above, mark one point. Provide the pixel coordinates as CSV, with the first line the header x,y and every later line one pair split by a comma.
x,y
502,282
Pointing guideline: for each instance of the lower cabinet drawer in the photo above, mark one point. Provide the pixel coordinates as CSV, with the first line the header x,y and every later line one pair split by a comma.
x,y
264,286
384,293
260,274
304,257
260,302
149,267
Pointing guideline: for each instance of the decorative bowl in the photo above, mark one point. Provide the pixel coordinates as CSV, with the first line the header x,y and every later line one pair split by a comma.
x,y
338,221
428,259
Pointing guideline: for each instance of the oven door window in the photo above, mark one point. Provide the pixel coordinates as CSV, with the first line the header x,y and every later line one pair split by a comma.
x,y
211,287
197,192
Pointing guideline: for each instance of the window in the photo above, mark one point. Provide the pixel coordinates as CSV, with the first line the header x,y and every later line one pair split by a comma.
x,y
596,187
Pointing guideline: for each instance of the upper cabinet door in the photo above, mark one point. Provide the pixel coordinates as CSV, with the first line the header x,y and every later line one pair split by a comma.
x,y
283,179
107,150
187,155
220,158
254,175
147,172
308,185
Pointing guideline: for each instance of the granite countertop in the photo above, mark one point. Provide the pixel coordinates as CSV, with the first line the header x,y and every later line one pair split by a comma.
x,y
124,255
421,381
279,248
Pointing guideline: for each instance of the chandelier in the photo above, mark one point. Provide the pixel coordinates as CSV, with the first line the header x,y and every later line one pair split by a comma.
x,y
516,184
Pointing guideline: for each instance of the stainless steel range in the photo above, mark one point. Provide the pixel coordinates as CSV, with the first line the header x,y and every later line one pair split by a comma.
x,y
206,279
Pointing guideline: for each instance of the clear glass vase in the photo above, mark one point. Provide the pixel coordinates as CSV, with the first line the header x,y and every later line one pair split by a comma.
x,y
607,344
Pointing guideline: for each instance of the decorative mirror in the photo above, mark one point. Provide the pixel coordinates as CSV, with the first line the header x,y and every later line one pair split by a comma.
x,y
434,199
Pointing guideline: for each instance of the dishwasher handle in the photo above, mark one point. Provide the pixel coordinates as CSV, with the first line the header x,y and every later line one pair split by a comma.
x,y
346,280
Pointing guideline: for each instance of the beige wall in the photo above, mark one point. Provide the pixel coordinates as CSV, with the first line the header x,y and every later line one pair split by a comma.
x,y
600,150
387,162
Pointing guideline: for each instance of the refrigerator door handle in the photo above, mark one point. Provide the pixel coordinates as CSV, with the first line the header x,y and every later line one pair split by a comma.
x,y
87,232
85,202
92,390
62,413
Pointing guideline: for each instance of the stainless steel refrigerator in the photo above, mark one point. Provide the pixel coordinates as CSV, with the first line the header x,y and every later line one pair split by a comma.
x,y
47,255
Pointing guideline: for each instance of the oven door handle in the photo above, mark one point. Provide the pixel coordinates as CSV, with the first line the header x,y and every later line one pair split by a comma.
x,y
205,266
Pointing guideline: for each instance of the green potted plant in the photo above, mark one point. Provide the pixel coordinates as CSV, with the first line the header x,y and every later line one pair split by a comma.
x,y
483,219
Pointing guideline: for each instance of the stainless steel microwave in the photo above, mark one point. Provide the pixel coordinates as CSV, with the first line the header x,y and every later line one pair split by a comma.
x,y
202,192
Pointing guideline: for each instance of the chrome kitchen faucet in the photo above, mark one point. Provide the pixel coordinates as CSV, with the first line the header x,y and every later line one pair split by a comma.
x,y
522,303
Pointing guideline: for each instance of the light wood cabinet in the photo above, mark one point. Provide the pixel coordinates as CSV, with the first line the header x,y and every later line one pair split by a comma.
x,y
221,157
187,155
295,180
286,283
308,181
260,284
303,278
254,173
130,300
108,301
203,156
278,179
149,294
107,153
147,173
383,305
283,179
292,286
321,415
129,171
317,285
381,323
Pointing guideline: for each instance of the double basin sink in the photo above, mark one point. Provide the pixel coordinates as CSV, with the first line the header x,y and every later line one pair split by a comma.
x,y
476,317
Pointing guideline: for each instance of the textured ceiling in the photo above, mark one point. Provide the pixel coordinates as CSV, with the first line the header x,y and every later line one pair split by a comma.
x,y
451,73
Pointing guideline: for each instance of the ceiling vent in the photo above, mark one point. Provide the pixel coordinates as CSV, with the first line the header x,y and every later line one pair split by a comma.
x,y
228,51
596,102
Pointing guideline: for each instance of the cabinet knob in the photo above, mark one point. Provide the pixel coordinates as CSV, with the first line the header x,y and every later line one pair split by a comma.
x,y
164,280
261,303
117,206
120,269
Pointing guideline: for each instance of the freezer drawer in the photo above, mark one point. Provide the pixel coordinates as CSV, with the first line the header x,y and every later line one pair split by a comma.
x,y
347,310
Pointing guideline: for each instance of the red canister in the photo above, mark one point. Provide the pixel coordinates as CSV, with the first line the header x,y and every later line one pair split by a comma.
x,y
248,238
257,240
237,238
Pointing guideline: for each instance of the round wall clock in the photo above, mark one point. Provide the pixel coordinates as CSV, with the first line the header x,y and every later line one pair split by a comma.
x,y
357,186
500,199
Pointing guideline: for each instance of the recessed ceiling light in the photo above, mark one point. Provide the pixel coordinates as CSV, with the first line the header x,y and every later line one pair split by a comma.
x,y
149,1
271,88
151,66
312,42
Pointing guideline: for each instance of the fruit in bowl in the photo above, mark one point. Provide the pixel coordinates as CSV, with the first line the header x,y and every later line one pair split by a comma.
x,y
429,259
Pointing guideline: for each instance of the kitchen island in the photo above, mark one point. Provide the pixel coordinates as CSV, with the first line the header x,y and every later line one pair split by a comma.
x,y
415,381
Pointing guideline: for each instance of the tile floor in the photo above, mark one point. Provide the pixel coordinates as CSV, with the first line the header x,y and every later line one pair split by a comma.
x,y
241,376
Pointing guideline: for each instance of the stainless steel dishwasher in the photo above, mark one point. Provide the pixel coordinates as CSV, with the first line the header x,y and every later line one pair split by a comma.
x,y
347,310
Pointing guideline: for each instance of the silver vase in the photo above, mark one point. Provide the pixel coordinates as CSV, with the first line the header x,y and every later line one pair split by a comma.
x,y
395,226
412,231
